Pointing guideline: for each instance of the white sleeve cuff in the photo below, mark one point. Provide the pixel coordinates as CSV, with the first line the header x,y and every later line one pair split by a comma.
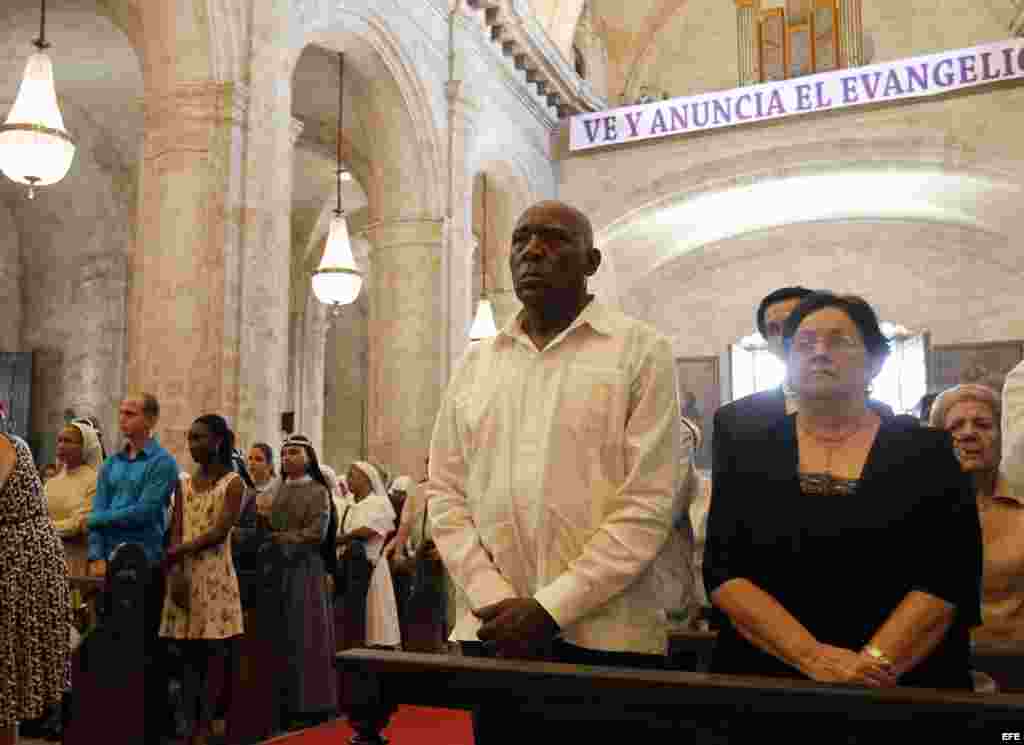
x,y
489,588
561,599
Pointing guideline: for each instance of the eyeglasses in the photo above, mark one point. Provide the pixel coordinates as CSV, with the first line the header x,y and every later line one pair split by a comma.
x,y
805,343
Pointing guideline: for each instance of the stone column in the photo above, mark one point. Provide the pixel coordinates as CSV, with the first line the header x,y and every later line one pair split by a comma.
x,y
310,410
182,316
405,338
95,361
266,234
290,398
851,34
345,386
746,41
460,298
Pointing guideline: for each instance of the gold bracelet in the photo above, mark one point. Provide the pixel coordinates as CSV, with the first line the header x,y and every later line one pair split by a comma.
x,y
878,655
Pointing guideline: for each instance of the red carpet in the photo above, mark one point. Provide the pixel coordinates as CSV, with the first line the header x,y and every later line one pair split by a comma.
x,y
411,725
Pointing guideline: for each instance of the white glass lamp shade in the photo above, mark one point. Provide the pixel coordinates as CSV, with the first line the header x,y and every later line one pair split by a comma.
x,y
483,325
35,149
337,280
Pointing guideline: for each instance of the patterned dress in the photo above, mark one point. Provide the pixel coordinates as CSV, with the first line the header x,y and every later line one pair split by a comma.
x,y
215,610
35,606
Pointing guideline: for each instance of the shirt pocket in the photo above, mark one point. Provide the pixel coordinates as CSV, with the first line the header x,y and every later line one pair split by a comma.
x,y
129,486
594,403
478,420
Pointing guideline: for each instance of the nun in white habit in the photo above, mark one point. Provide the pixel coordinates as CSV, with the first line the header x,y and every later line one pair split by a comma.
x,y
372,518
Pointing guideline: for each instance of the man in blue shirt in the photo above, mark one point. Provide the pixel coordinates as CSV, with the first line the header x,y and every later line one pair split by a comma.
x,y
133,489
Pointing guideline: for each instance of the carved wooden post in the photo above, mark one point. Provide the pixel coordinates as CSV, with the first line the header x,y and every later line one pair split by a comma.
x,y
368,710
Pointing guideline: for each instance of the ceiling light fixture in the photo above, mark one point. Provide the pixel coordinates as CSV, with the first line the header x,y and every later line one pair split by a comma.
x,y
337,281
483,324
35,148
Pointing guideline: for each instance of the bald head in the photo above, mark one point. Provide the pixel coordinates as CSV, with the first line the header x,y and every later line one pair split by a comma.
x,y
566,214
552,255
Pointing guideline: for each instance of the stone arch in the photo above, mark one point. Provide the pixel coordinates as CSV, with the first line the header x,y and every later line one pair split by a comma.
x,y
341,29
126,16
75,237
842,214
394,131
560,19
653,212
590,41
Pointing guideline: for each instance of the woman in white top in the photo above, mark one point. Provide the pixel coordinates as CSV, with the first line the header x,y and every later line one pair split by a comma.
x,y
372,518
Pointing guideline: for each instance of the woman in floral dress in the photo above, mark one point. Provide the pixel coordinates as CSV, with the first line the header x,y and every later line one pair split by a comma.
x,y
35,607
203,607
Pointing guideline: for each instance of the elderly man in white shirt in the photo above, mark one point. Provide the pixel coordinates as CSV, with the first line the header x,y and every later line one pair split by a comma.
x,y
554,468
1013,429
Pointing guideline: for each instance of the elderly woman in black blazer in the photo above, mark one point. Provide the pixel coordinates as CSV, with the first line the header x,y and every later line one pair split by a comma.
x,y
841,546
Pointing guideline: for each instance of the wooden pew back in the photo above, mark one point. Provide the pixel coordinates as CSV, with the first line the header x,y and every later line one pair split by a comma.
x,y
673,700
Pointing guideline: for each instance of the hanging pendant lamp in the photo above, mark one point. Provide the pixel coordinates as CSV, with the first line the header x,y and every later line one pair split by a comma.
x,y
35,148
337,281
483,323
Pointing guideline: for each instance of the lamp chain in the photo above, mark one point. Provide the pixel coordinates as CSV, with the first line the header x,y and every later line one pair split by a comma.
x,y
341,116
483,242
41,42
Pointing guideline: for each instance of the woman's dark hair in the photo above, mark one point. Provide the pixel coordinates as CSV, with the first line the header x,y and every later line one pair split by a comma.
x,y
218,427
268,453
856,308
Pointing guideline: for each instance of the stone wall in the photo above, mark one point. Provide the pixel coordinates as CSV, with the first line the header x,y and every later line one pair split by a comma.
x,y
74,240
10,283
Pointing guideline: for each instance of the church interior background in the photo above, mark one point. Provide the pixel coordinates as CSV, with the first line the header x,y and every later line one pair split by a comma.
x,y
176,255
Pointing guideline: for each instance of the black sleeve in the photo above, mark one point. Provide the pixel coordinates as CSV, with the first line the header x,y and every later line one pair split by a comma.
x,y
328,549
727,542
949,551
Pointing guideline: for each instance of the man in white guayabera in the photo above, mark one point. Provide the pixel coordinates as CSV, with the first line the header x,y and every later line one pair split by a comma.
x,y
554,468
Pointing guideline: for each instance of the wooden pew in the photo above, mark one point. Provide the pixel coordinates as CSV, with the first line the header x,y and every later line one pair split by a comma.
x,y
1003,660
110,665
378,681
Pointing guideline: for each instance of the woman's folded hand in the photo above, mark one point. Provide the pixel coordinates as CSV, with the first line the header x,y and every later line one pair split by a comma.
x,y
828,664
